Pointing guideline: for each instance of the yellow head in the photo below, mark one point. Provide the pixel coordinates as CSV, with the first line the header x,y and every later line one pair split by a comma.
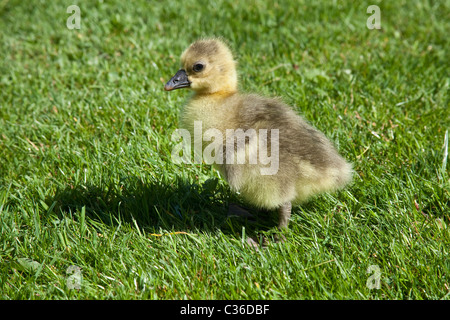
x,y
207,67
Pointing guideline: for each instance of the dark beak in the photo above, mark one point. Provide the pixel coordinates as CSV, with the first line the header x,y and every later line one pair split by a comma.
x,y
179,80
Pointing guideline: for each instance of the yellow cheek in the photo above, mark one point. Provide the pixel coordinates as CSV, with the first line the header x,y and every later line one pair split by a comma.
x,y
198,84
194,83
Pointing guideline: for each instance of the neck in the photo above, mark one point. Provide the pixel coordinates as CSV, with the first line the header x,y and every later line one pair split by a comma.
x,y
215,94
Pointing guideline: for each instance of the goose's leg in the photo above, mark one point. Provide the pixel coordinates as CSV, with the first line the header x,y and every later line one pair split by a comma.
x,y
284,214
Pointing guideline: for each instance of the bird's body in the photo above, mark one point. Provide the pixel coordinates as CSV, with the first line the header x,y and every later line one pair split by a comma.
x,y
307,163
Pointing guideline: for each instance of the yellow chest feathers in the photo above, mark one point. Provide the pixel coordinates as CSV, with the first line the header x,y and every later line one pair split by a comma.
x,y
213,112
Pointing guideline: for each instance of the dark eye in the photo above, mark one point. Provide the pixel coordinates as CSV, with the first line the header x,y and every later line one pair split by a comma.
x,y
198,67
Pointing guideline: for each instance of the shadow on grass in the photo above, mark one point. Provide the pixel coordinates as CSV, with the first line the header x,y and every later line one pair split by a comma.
x,y
179,206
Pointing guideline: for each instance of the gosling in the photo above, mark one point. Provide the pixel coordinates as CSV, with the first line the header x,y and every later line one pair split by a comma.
x,y
308,164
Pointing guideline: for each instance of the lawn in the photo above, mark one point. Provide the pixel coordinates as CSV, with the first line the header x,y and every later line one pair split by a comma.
x,y
92,206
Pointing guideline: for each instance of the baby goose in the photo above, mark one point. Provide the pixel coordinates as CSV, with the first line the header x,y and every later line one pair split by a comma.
x,y
308,164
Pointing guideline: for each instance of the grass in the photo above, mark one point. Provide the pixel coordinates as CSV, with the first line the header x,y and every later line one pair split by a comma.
x,y
86,177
